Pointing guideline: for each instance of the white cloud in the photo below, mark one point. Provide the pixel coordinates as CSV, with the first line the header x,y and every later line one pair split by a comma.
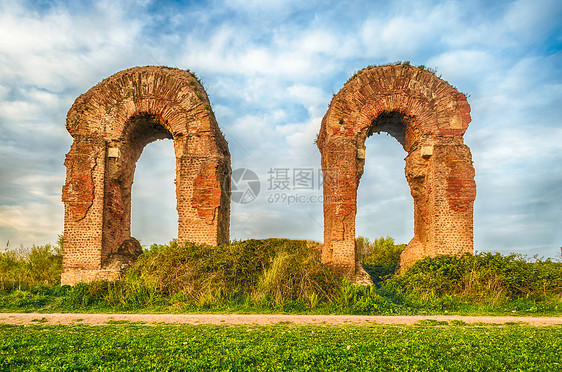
x,y
310,96
409,30
53,47
518,147
462,64
33,223
527,19
30,105
225,53
273,6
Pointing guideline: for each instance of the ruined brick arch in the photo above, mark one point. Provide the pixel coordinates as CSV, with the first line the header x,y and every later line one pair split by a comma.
x,y
428,117
110,126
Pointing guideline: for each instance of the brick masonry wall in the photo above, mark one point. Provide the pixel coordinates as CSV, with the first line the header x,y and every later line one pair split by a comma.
x,y
111,124
428,117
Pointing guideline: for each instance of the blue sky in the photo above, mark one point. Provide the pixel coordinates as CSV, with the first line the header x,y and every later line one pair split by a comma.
x,y
270,69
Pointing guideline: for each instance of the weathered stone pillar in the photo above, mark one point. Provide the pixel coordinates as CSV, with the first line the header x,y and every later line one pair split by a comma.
x,y
202,186
83,196
340,203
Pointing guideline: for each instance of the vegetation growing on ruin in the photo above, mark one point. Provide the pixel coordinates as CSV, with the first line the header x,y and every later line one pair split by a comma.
x,y
397,63
281,275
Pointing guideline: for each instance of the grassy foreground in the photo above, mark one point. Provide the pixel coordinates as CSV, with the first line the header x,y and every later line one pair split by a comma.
x,y
281,275
133,347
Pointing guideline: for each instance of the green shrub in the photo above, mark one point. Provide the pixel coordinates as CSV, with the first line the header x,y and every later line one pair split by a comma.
x,y
259,271
379,258
41,265
484,277
45,264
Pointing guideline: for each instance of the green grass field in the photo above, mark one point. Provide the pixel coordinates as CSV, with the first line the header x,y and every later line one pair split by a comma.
x,y
134,347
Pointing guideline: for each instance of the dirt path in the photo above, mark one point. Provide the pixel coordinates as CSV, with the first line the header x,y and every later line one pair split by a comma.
x,y
259,319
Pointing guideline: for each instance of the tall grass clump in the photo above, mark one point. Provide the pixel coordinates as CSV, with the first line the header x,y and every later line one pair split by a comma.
x,y
255,271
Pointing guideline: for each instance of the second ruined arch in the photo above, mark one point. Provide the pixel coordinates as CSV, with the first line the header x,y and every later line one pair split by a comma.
x,y
428,117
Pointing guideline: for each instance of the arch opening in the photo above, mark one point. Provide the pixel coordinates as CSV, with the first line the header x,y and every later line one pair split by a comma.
x,y
385,205
391,122
154,216
143,129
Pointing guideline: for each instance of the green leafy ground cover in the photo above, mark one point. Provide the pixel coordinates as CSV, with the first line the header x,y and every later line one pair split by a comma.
x,y
287,276
284,347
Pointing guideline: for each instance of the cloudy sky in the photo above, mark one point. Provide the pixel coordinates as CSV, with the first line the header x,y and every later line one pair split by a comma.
x,y
270,69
